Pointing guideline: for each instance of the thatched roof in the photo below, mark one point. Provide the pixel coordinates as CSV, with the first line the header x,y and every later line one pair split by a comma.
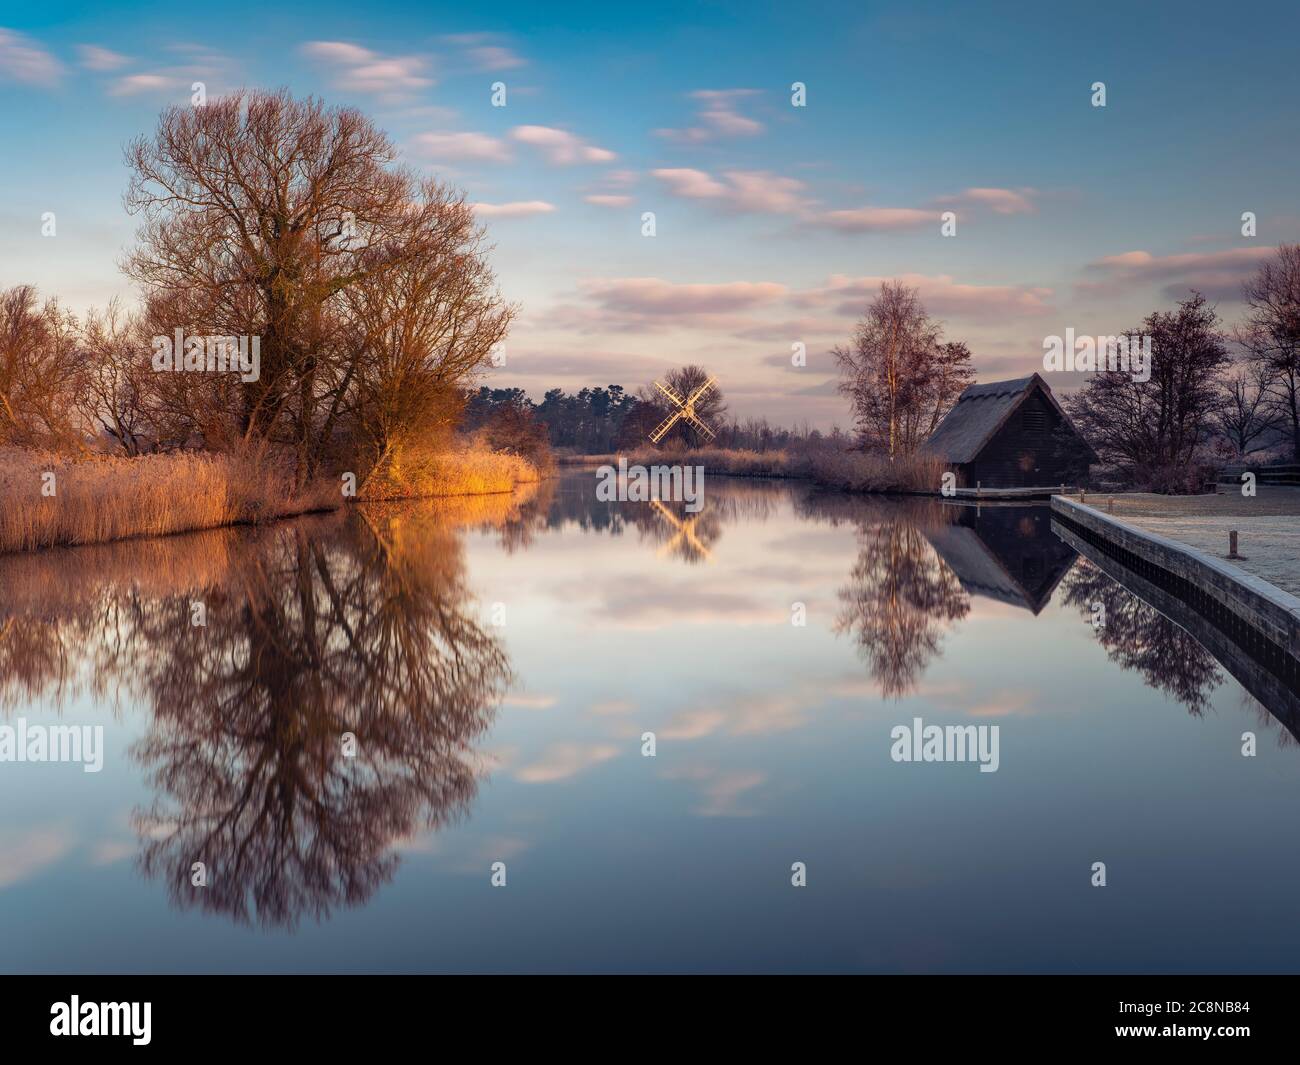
x,y
979,412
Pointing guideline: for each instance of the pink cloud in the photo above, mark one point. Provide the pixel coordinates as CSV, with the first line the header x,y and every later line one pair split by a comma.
x,y
461,147
133,84
608,200
654,296
877,219
560,147
1218,274
899,219
359,69
999,201
517,209
93,57
942,296
581,364
718,117
484,53
24,61
749,191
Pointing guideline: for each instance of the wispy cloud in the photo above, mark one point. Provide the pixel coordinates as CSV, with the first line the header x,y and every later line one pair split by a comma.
x,y
872,219
876,219
848,296
999,201
718,116
455,147
195,62
742,191
135,84
26,62
358,69
655,296
484,51
559,147
93,57
517,209
1217,274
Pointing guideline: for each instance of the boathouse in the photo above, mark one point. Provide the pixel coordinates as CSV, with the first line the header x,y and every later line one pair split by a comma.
x,y
1011,434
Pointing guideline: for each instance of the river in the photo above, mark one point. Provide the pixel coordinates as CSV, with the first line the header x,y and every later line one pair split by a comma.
x,y
549,733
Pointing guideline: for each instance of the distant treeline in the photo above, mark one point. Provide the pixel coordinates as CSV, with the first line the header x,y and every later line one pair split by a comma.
x,y
601,420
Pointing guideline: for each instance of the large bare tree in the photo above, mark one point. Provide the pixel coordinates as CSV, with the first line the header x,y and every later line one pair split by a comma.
x,y
261,214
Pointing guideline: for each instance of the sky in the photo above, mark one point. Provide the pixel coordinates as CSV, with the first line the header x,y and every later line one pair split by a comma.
x,y
774,224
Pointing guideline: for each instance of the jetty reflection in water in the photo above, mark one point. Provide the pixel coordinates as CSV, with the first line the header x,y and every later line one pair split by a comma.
x,y
498,661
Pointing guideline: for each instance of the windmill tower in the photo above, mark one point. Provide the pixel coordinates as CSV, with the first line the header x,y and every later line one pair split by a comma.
x,y
685,411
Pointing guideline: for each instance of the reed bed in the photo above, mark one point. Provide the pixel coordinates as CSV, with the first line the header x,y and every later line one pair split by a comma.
x,y
465,471
48,500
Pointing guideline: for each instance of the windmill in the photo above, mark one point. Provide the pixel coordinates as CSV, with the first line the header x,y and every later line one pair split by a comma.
x,y
685,411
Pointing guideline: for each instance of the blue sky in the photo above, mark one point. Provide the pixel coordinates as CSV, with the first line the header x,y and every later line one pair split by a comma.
x,y
774,224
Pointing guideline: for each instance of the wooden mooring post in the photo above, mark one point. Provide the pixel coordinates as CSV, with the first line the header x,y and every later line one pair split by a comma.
x,y
1232,544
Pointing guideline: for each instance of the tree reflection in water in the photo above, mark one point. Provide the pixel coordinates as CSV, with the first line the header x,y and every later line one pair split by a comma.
x,y
1138,637
901,596
357,624
899,601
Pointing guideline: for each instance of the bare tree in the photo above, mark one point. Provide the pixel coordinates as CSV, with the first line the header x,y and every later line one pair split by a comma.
x,y
41,378
260,213
411,336
899,375
1271,333
119,383
1155,427
1247,417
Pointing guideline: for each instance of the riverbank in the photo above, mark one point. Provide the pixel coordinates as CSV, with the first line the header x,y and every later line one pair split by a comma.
x,y
1257,613
827,467
1267,524
51,501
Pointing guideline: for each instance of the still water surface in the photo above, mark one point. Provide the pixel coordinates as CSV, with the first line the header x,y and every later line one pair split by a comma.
x,y
499,661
